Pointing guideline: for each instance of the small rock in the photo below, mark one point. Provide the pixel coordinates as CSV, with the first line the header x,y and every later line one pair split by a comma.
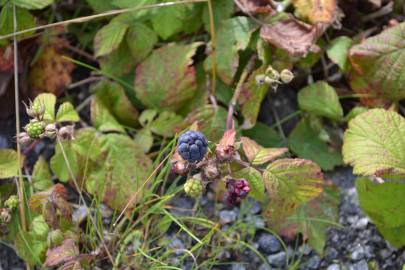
x,y
182,206
358,253
238,266
384,253
79,214
269,243
177,245
361,223
314,262
361,265
264,267
333,267
258,222
227,216
278,259
331,254
305,249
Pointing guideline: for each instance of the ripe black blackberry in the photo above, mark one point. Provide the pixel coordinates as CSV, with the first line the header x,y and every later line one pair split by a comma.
x,y
192,146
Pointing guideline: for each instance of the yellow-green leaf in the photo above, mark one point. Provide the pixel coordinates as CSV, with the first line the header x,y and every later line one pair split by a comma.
x,y
8,163
48,101
109,37
67,113
41,176
33,4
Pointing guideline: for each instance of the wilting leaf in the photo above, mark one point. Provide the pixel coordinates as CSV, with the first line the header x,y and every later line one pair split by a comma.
x,y
109,37
257,6
264,135
291,35
112,97
374,144
316,11
379,62
67,251
48,101
173,76
290,183
33,4
255,179
233,36
385,204
168,21
51,71
41,176
315,217
257,155
320,99
67,113
305,141
122,172
251,98
338,51
8,163
221,9
141,40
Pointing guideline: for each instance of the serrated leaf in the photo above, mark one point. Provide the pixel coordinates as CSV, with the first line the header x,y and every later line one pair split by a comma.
x,y
119,62
67,113
385,205
41,176
109,38
8,163
251,97
306,142
48,101
33,4
338,51
233,36
379,61
102,118
290,183
320,99
222,10
316,11
255,179
257,154
374,144
141,40
174,80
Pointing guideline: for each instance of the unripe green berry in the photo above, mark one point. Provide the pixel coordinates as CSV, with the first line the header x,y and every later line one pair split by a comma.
x,y
35,129
193,187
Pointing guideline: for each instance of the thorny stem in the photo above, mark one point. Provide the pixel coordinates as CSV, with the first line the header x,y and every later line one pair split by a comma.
x,y
101,15
72,175
235,97
20,183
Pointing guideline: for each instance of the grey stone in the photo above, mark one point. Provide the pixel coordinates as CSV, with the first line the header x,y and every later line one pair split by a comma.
x,y
269,243
258,222
361,265
177,245
305,249
331,254
264,267
314,262
227,216
278,259
238,266
333,267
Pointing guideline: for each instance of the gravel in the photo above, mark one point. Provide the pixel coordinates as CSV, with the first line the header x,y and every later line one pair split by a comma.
x,y
269,244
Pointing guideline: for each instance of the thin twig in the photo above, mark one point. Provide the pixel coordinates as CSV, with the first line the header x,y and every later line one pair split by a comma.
x,y
72,175
97,16
231,108
214,50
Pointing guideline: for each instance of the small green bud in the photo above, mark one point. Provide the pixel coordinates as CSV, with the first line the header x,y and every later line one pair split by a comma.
x,y
35,129
193,187
286,76
35,110
12,202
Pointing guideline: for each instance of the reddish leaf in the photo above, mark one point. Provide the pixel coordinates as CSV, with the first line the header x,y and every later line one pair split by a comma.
x,y
64,253
257,6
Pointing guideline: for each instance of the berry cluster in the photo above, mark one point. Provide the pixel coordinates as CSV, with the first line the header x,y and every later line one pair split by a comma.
x,y
192,146
238,189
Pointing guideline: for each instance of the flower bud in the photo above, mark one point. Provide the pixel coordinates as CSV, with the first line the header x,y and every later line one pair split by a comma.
x,y
24,139
193,187
12,202
286,76
225,150
50,131
272,73
35,110
238,189
67,132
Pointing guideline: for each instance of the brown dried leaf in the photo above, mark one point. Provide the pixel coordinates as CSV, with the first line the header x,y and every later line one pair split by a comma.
x,y
62,254
229,138
51,72
257,6
294,36
316,11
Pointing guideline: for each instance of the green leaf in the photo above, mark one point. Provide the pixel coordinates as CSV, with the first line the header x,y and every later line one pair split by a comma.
x,y
147,117
385,205
33,4
174,80
338,51
48,101
100,6
379,61
144,139
290,183
255,179
321,100
374,144
41,176
111,96
355,112
264,135
87,143
8,163
251,98
164,124
119,62
67,113
109,37
24,21
306,142
233,36
121,174
58,163
102,118
222,9
141,40
168,21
